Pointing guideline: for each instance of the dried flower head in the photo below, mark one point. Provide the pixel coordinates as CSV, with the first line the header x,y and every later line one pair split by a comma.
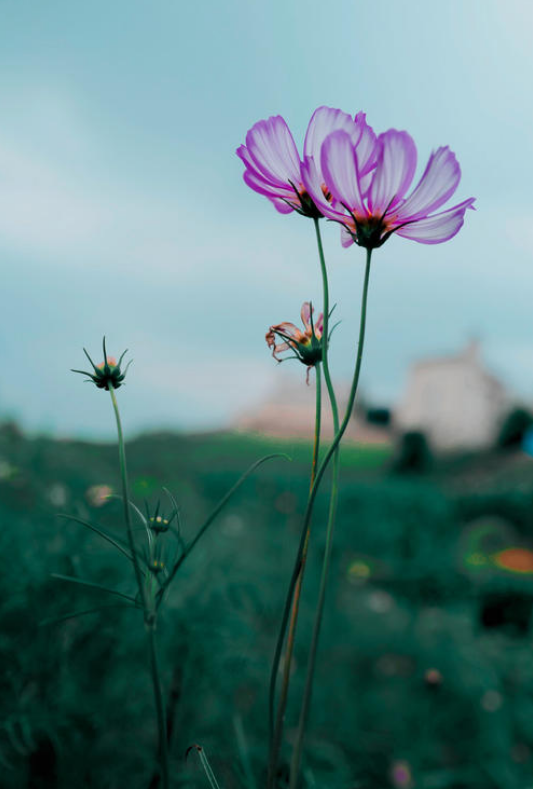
x,y
306,346
108,373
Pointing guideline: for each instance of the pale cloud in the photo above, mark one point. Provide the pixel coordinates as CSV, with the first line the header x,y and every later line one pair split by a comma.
x,y
64,210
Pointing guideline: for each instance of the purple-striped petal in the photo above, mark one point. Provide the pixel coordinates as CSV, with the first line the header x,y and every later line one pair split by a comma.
x,y
281,205
364,183
346,238
278,195
394,172
438,183
263,187
367,150
312,181
244,154
324,121
339,166
439,227
273,151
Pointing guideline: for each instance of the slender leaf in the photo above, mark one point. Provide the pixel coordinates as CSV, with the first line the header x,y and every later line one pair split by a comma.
x,y
220,506
176,509
92,585
143,519
141,516
105,535
54,620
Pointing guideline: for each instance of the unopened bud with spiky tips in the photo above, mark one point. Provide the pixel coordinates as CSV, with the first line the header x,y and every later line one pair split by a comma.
x,y
158,523
108,373
156,566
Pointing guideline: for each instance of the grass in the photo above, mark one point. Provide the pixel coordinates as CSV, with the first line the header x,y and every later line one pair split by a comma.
x,y
237,446
75,698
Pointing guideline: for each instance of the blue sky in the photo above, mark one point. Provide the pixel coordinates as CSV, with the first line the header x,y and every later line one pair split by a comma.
x,y
123,210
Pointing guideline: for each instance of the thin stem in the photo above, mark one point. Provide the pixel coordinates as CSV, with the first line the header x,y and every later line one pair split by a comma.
x,y
325,343
299,566
159,703
149,615
282,704
297,753
126,501
295,588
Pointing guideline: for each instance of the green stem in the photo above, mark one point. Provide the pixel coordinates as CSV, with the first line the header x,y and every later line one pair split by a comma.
x,y
149,615
159,703
297,753
282,704
325,344
297,580
126,502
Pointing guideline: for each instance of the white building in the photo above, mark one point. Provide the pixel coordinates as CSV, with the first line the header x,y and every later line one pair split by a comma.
x,y
454,400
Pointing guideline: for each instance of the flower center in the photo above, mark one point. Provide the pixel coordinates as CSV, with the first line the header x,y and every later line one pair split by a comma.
x,y
325,191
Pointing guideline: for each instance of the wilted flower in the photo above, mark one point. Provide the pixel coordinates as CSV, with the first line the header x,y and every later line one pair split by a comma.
x,y
375,202
274,168
306,346
107,373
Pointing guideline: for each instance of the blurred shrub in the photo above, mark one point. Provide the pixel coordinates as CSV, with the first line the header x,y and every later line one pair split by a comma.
x,y
378,416
413,455
514,428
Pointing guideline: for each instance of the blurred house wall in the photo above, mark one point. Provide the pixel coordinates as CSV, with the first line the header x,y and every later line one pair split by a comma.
x,y
289,412
454,400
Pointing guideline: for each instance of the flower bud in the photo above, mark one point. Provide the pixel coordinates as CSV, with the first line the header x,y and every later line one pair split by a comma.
x,y
108,374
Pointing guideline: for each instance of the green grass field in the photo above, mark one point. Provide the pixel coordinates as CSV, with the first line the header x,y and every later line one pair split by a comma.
x,y
412,684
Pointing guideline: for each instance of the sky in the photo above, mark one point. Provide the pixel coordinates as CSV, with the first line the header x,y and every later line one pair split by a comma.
x,y
123,210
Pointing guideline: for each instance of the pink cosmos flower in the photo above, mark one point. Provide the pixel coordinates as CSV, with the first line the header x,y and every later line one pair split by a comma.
x,y
373,205
306,346
273,167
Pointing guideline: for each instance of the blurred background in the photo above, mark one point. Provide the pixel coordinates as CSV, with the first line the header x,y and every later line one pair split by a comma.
x,y
123,212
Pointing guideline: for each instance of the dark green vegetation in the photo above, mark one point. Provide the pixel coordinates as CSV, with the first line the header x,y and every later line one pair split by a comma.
x,y
426,655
